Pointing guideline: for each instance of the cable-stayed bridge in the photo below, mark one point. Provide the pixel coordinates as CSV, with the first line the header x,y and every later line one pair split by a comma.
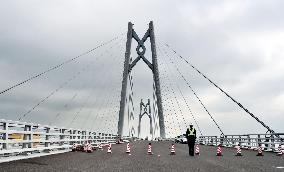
x,y
95,103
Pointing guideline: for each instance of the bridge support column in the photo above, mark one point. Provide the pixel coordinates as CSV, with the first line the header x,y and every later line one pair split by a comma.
x,y
157,80
153,66
124,79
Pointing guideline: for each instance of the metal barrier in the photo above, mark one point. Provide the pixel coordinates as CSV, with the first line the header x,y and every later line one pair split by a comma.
x,y
22,138
268,142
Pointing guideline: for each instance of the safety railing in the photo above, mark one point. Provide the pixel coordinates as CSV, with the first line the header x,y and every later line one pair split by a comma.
x,y
268,142
22,138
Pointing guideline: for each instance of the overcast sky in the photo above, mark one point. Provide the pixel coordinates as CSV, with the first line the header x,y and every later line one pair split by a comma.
x,y
238,44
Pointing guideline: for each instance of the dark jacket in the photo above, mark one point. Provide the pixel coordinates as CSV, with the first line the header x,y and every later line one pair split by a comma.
x,y
188,132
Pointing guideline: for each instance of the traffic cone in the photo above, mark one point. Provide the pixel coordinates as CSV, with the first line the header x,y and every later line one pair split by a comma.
x,y
100,147
197,150
85,148
173,152
74,147
89,148
279,151
239,151
150,149
128,148
259,151
219,151
109,148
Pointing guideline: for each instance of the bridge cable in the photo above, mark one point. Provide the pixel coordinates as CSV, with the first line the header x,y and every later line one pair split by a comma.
x,y
49,95
173,92
101,104
81,87
222,133
104,85
195,121
55,91
59,65
234,100
172,121
66,105
182,93
172,104
86,100
109,101
100,112
168,100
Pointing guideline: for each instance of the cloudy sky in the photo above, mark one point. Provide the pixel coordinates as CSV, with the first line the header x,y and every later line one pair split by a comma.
x,y
238,44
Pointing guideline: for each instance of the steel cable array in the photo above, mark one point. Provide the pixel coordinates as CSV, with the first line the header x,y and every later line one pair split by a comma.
x,y
84,69
170,108
77,114
219,88
59,65
107,98
197,97
187,105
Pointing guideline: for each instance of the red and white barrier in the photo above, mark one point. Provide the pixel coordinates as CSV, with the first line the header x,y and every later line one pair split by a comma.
x,y
128,148
259,151
109,148
239,151
219,151
279,151
150,149
173,151
197,150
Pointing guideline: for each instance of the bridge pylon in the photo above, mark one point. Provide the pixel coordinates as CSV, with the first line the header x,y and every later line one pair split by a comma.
x,y
131,34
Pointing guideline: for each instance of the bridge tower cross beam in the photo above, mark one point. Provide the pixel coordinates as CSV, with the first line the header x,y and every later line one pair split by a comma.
x,y
145,109
131,34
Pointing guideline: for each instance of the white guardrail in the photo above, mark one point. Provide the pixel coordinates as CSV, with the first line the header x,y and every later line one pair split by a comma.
x,y
268,142
21,138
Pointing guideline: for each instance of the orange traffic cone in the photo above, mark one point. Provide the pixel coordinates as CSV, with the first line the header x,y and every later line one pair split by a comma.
x,y
150,149
279,151
85,148
259,151
109,148
100,147
128,148
74,147
219,151
173,152
89,148
197,150
239,151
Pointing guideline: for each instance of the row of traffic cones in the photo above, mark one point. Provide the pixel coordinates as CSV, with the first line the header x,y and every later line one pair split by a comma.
x,y
88,148
279,151
238,151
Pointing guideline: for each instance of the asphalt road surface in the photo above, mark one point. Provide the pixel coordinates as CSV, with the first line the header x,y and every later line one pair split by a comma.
x,y
139,161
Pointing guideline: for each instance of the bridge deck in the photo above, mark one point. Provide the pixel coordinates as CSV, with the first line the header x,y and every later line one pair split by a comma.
x,y
139,160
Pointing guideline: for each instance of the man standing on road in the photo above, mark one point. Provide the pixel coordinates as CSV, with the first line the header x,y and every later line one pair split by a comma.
x,y
191,136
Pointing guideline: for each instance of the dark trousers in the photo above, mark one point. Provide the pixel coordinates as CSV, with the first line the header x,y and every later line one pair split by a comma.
x,y
191,143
